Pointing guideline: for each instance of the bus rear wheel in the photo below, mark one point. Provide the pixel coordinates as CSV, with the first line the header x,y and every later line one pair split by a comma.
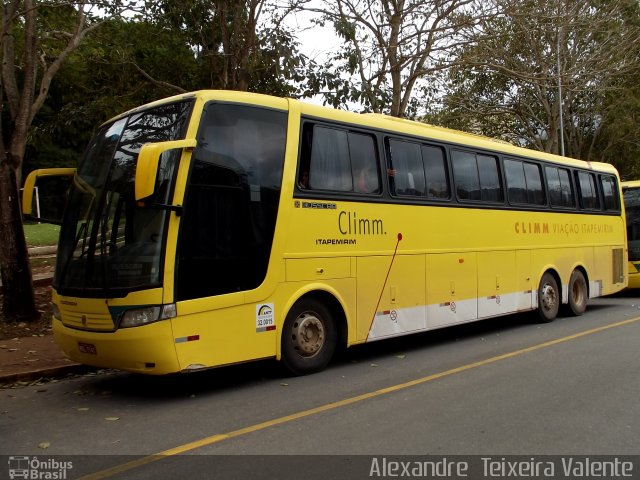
x,y
548,298
578,293
309,337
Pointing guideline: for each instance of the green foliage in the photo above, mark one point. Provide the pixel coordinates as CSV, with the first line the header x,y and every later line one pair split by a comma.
x,y
506,83
41,234
238,45
619,140
176,46
188,45
280,69
103,78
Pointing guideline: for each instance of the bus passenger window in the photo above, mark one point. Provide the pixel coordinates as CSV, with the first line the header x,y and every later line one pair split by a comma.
x,y
524,182
364,163
337,160
559,187
465,174
303,181
533,176
435,167
490,185
516,184
329,165
588,192
406,163
610,193
476,177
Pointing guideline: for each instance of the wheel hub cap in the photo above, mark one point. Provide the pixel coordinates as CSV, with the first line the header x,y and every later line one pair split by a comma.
x,y
308,334
549,297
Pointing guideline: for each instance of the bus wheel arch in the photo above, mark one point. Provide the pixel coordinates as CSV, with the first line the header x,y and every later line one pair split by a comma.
x,y
578,291
314,327
549,296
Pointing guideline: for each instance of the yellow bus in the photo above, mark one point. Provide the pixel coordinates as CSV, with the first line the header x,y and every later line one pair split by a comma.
x,y
631,197
220,227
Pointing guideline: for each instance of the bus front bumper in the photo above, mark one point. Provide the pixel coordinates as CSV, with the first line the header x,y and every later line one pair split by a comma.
x,y
634,275
148,349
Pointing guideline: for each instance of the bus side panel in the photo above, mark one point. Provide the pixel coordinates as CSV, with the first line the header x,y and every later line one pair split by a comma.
x,y
563,261
400,300
609,271
451,288
211,337
585,257
497,292
524,281
371,272
557,260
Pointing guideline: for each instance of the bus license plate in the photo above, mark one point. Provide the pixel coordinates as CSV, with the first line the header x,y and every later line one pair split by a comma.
x,y
89,348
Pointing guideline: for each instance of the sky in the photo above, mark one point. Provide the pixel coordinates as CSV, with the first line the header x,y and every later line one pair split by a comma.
x,y
315,41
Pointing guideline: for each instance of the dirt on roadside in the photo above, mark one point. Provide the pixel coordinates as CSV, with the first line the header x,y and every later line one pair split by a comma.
x,y
41,326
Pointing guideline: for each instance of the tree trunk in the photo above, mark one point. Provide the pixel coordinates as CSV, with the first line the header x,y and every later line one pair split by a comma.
x,y
18,300
23,103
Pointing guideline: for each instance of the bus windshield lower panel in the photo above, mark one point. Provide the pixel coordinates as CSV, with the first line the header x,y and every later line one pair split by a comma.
x,y
632,210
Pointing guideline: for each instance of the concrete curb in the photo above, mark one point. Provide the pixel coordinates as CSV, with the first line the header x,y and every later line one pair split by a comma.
x,y
43,373
35,252
46,250
38,280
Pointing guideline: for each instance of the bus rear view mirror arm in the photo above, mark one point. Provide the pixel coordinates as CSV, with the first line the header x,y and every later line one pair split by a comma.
x,y
148,161
162,206
30,186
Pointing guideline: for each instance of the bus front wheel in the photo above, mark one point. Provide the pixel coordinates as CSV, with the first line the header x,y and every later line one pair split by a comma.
x,y
578,293
309,337
548,298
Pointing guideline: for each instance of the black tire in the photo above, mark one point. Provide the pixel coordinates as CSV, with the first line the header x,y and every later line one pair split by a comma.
x,y
548,298
578,293
309,337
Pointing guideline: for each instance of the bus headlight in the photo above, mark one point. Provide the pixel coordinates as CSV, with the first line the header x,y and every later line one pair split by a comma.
x,y
146,315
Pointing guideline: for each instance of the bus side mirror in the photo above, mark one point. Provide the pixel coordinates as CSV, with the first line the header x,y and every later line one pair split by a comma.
x,y
148,161
30,190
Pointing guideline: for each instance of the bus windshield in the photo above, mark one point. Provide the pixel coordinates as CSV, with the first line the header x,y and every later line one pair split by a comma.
x,y
632,210
108,243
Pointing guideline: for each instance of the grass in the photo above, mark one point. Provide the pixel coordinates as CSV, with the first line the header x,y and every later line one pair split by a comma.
x,y
41,234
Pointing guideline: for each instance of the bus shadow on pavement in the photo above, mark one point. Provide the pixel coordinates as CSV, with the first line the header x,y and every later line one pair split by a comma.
x,y
251,374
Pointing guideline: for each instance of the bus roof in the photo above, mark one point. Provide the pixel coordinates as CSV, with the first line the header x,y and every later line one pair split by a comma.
x,y
400,125
381,122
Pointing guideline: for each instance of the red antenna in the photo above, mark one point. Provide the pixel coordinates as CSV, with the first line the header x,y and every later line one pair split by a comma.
x,y
395,251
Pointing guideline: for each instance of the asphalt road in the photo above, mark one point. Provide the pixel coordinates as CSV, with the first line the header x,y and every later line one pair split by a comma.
x,y
496,388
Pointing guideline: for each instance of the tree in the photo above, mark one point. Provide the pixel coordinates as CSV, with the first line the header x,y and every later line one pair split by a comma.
x,y
240,45
129,62
123,64
391,45
544,73
618,141
179,45
37,38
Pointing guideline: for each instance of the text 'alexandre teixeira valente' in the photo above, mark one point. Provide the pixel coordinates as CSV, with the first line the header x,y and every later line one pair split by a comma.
x,y
569,467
